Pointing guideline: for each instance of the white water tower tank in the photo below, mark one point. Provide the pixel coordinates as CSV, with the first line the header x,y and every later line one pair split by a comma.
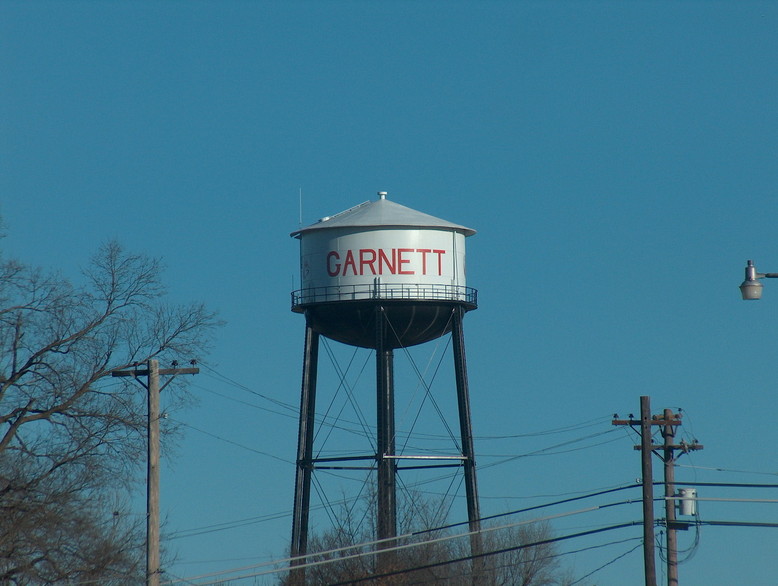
x,y
412,263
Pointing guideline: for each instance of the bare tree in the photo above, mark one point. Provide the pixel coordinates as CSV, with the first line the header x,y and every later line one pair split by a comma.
x,y
528,556
71,436
431,553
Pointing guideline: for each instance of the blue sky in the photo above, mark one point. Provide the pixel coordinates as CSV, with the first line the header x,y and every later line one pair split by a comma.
x,y
618,160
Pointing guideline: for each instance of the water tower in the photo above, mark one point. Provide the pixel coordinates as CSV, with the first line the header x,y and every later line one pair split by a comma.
x,y
381,276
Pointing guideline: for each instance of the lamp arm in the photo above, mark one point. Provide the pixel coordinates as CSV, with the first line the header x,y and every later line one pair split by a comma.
x,y
752,275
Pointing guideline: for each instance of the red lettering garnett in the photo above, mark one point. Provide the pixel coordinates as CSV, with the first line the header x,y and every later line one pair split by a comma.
x,y
394,261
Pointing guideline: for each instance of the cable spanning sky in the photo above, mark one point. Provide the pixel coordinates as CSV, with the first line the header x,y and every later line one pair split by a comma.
x,y
617,159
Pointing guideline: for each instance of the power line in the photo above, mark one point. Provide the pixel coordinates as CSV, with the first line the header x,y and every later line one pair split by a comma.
x,y
613,561
184,533
544,451
543,506
321,419
248,389
195,531
738,523
590,423
725,500
728,484
252,520
424,542
577,492
717,469
293,409
246,403
213,435
329,553
492,517
488,554
273,516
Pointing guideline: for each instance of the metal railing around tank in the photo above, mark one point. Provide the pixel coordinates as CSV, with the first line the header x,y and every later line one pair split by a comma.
x,y
390,291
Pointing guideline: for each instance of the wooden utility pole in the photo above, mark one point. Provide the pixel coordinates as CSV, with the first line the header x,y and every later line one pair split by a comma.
x,y
152,477
649,559
668,432
152,372
671,421
668,422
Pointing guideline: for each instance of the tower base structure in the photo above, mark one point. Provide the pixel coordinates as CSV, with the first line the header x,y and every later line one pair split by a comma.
x,y
384,338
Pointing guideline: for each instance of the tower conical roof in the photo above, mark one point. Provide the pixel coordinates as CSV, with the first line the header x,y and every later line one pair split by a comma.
x,y
381,213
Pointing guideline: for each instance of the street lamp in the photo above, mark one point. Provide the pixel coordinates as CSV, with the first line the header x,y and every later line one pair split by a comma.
x,y
751,288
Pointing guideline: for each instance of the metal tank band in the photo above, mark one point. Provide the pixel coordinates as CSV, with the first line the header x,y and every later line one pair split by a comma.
x,y
415,313
303,298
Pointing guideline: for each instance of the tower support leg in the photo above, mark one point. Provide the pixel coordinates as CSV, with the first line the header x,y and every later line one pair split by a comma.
x,y
386,522
466,432
302,489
